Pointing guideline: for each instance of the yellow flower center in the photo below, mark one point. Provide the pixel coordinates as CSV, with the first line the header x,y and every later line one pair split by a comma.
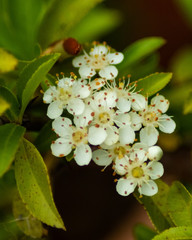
x,y
120,151
64,94
78,136
150,117
104,117
137,172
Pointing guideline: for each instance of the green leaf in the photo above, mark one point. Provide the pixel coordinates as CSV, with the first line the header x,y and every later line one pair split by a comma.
x,y
31,77
19,26
181,65
7,61
153,83
9,142
45,138
7,188
143,68
13,108
27,223
179,204
61,17
188,104
175,233
186,7
156,207
34,185
91,27
139,50
142,232
4,105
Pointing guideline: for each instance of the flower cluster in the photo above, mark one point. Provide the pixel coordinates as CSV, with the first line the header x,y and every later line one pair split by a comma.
x,y
106,118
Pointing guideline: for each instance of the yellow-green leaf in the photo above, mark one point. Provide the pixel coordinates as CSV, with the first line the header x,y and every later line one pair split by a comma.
x,y
9,142
188,104
156,207
7,61
175,233
139,50
179,204
61,17
11,105
26,222
31,76
34,185
153,83
4,105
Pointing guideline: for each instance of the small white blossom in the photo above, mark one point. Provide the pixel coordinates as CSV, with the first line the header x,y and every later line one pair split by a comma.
x,y
100,60
140,174
126,96
68,94
152,117
71,137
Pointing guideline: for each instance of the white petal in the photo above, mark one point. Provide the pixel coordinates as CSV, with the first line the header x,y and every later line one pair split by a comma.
x,y
155,153
121,165
102,157
126,135
83,154
79,61
61,147
99,50
122,119
140,146
49,94
109,72
155,170
160,103
62,126
105,98
123,104
96,136
55,109
136,121
86,72
125,186
138,155
149,189
112,135
81,90
149,135
75,106
85,118
167,125
138,102
115,58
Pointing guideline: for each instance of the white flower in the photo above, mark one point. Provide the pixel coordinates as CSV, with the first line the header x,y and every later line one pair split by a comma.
x,y
68,94
71,137
126,96
98,60
152,117
109,154
102,128
142,175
